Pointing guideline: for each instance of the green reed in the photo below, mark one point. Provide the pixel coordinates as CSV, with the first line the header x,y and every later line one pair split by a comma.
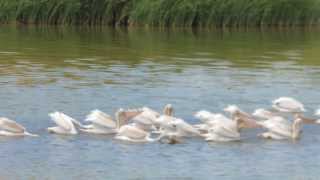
x,y
163,13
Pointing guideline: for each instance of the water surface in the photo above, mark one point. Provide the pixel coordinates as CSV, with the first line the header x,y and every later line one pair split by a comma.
x,y
76,70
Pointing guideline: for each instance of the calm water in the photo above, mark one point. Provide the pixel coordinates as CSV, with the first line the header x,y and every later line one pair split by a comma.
x,y
75,71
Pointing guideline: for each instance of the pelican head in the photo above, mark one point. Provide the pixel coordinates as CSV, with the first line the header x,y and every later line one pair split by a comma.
x,y
121,118
232,109
168,110
296,128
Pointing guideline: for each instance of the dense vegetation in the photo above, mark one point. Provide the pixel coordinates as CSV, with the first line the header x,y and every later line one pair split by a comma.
x,y
163,13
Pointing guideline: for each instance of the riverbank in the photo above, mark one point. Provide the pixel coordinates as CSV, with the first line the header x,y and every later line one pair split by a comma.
x,y
163,13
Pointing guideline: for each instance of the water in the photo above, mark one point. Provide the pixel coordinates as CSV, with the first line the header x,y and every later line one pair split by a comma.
x,y
76,70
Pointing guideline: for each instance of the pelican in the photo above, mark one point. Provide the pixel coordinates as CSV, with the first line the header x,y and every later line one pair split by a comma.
x,y
288,104
134,134
263,113
102,123
244,119
9,127
280,128
161,122
173,127
149,119
145,119
183,129
66,124
293,106
206,118
166,125
219,127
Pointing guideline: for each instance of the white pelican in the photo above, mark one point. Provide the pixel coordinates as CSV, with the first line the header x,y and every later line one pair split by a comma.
x,y
166,125
145,120
66,124
280,128
172,127
182,129
161,122
244,119
219,127
102,123
9,127
205,117
148,119
288,104
134,134
263,114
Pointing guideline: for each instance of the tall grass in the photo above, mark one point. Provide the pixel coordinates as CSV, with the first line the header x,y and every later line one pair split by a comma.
x,y
163,13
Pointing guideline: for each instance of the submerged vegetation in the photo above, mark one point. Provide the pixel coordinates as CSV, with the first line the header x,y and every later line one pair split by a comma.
x,y
163,13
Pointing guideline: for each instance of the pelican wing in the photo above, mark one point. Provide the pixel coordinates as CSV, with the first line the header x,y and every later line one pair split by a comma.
x,y
204,116
155,113
102,119
218,138
226,128
97,129
273,135
62,120
287,104
247,122
222,118
163,120
224,132
187,128
201,126
131,113
132,132
145,118
264,114
10,125
277,125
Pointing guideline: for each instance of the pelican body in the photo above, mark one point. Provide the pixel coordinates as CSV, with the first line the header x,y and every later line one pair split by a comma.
x,y
9,127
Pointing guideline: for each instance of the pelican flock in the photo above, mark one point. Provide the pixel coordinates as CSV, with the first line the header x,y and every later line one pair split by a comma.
x,y
283,121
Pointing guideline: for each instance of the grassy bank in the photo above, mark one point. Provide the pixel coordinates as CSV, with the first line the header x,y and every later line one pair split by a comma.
x,y
163,13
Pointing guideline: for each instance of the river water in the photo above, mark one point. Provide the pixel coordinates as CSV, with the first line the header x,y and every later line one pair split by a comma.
x,y
76,70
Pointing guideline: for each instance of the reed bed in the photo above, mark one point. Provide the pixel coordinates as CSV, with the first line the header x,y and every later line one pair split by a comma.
x,y
163,13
